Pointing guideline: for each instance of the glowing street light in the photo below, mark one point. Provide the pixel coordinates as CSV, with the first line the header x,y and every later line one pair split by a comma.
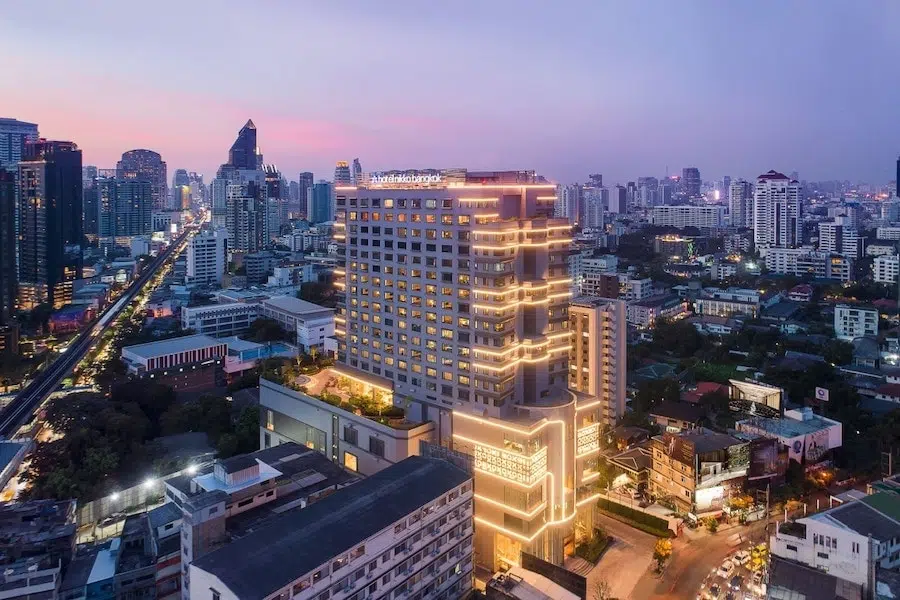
x,y
114,497
192,470
148,483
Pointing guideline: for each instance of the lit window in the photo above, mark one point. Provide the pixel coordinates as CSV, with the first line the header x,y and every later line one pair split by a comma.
x,y
350,461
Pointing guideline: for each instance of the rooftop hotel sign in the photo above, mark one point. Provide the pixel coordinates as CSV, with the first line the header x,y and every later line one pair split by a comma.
x,y
402,178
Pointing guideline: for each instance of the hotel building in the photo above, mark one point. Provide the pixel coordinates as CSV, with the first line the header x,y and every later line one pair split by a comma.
x,y
457,294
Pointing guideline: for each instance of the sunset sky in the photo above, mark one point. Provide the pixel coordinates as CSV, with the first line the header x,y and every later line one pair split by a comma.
x,y
566,88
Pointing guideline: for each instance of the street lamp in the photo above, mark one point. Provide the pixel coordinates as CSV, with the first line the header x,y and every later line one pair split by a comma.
x,y
114,496
192,470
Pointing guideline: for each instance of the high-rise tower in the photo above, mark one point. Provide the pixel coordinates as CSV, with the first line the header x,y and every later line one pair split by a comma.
x,y
691,182
8,275
740,203
14,135
146,165
50,223
777,211
244,153
342,174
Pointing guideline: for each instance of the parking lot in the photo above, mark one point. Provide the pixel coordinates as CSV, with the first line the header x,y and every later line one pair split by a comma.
x,y
733,580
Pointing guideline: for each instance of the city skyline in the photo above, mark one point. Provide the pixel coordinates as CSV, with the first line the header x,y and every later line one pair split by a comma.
x,y
623,90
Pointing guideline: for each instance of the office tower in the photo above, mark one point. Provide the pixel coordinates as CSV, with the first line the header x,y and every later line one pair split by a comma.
x,y
8,274
726,187
218,204
88,173
840,236
356,172
207,257
632,194
304,185
648,189
181,178
777,211
595,180
321,209
124,209
740,203
246,214
276,201
456,299
342,174
244,153
50,223
598,329
14,135
618,200
181,197
90,205
568,201
146,165
690,182
198,189
594,201
665,192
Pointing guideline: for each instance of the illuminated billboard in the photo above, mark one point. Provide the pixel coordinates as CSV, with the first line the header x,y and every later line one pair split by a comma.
x,y
753,398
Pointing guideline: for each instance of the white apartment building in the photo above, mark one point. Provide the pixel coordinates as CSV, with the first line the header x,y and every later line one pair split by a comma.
x,y
880,249
777,211
311,323
847,541
405,532
595,200
632,288
886,268
219,320
851,322
839,237
598,329
806,261
457,296
740,203
681,216
888,233
207,257
568,202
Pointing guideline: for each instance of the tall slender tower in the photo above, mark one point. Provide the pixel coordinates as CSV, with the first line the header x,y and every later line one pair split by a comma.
x,y
777,211
740,203
8,246
146,165
50,223
14,134
342,174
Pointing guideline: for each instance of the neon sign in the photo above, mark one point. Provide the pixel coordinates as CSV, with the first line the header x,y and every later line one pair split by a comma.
x,y
380,178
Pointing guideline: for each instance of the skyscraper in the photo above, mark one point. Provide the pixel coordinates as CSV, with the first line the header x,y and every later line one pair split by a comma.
x,y
647,191
8,275
726,187
207,254
124,209
50,223
321,208
90,227
146,165
357,172
244,153
594,201
14,135
897,193
740,203
456,299
181,178
691,182
304,185
618,200
777,211
198,189
342,174
181,190
239,194
276,200
568,202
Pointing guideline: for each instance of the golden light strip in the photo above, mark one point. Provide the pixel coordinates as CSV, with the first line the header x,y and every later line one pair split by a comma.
x,y
584,501
339,331
509,480
522,244
363,381
590,477
588,453
339,236
478,199
501,186
512,509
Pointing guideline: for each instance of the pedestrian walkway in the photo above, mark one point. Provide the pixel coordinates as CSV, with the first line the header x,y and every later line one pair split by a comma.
x,y
576,564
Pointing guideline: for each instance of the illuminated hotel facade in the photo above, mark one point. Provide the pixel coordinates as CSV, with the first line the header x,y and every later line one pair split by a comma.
x,y
457,292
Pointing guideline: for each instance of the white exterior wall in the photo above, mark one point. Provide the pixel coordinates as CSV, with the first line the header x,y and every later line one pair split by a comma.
x,y
888,233
848,560
852,322
702,217
206,256
886,268
437,554
219,320
311,333
777,212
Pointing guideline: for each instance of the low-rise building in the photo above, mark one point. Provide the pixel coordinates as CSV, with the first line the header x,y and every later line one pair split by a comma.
x,y
644,313
733,301
809,438
366,443
886,267
806,262
697,469
854,321
888,233
244,355
801,293
191,362
710,325
849,540
403,532
881,249
635,288
789,579
522,584
676,417
219,320
309,324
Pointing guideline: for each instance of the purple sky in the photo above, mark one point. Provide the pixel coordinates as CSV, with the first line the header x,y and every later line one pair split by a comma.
x,y
567,88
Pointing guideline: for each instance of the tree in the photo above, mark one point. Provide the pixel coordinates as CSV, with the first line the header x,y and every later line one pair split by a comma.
x,y
838,352
227,445
661,552
679,337
712,524
247,430
654,391
265,330
602,591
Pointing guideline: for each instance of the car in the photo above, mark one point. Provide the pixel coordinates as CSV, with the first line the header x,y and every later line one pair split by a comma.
x,y
714,591
757,577
737,582
725,569
741,557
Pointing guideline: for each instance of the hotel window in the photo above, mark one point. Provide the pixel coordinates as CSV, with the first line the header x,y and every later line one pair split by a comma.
x,y
350,461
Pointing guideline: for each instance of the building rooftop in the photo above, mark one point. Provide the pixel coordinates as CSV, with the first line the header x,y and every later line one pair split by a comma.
x,y
172,346
788,428
683,411
167,513
293,545
789,580
591,301
295,306
635,459
523,584
866,517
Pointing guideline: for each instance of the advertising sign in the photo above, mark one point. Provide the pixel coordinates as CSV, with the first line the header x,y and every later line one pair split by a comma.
x,y
679,448
768,459
821,394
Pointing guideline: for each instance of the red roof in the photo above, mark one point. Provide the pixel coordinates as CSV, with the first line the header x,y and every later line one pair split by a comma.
x,y
889,389
705,387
